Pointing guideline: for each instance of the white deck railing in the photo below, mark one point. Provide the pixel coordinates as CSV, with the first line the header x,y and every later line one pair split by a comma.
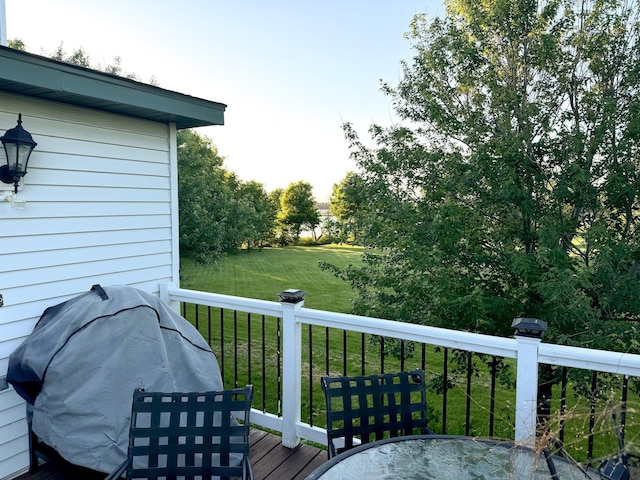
x,y
528,353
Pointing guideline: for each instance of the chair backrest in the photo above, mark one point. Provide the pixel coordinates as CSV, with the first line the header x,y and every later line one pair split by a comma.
x,y
190,435
371,407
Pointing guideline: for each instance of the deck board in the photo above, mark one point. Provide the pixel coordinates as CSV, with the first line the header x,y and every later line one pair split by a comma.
x,y
269,461
300,462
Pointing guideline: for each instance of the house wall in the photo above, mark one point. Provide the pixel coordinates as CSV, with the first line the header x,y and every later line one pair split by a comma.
x,y
99,209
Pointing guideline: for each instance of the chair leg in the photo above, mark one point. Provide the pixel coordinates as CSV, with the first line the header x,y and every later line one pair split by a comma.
x,y
247,473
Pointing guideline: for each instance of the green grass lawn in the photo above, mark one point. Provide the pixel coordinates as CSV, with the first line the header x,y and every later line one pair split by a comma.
x,y
264,274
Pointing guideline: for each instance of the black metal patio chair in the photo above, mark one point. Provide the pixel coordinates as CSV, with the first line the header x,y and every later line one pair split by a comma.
x,y
190,435
372,407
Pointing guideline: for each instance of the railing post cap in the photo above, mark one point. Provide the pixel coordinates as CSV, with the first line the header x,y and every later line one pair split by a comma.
x,y
529,327
292,295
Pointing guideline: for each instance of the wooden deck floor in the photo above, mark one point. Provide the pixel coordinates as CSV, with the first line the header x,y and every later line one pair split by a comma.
x,y
269,461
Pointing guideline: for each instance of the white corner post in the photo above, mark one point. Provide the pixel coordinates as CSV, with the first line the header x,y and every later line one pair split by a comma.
x,y
529,332
291,301
166,297
174,202
3,24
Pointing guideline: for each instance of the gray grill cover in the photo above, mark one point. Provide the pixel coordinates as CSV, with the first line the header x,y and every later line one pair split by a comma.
x,y
80,366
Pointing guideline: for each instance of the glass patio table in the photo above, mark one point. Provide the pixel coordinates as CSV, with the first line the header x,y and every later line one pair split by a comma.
x,y
443,457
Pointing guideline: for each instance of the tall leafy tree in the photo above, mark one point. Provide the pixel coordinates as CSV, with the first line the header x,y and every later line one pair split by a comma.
x,y
204,198
298,209
280,230
260,212
346,207
511,188
219,213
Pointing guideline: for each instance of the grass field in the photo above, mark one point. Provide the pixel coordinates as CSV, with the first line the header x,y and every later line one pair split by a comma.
x,y
263,274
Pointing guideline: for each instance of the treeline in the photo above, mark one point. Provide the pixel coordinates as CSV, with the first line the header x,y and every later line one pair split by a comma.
x,y
219,213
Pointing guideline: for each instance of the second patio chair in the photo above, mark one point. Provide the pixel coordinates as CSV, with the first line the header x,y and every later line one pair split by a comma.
x,y
189,435
372,407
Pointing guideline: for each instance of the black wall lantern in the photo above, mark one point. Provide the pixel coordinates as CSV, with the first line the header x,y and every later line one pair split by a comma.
x,y
18,146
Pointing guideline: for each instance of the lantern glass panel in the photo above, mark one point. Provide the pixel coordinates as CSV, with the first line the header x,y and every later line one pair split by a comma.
x,y
17,158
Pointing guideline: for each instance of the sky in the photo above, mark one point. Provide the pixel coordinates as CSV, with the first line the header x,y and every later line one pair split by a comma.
x,y
291,72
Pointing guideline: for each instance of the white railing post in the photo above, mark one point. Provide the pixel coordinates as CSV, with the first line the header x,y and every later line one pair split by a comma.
x,y
291,301
164,296
529,332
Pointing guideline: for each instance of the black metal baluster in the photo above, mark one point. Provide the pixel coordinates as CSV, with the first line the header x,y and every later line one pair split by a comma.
x,y
279,366
468,400
310,376
326,350
563,402
249,362
623,407
235,348
445,390
362,354
209,326
222,342
492,406
344,352
264,366
592,413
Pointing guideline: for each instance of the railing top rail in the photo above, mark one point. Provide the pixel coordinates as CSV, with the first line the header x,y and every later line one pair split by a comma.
x,y
250,305
589,359
474,342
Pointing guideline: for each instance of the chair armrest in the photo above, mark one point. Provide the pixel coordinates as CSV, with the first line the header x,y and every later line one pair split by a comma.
x,y
117,473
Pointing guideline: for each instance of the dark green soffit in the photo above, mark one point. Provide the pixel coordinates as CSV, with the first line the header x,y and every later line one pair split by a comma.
x,y
41,77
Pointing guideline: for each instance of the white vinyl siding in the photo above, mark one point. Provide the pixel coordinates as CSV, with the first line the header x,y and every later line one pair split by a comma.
x,y
98,193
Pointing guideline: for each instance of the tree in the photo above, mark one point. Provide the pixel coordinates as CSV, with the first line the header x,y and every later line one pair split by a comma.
x,y
298,209
80,57
346,204
219,213
260,211
280,233
203,196
16,44
512,188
